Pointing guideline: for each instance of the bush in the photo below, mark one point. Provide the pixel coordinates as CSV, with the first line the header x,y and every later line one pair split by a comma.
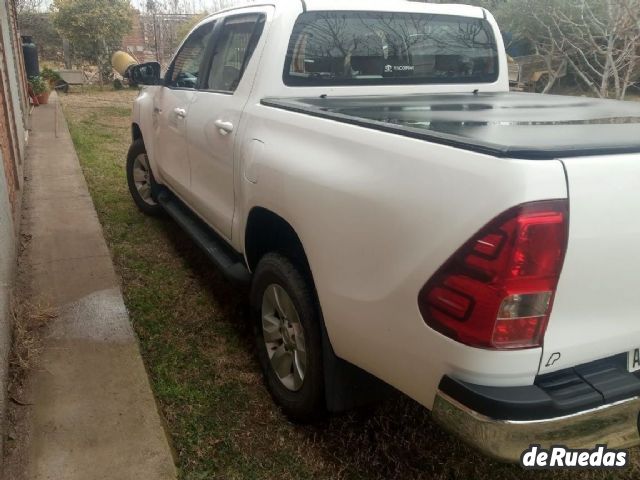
x,y
50,75
38,85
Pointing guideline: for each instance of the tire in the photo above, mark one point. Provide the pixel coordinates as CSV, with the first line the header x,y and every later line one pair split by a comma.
x,y
140,180
61,86
276,277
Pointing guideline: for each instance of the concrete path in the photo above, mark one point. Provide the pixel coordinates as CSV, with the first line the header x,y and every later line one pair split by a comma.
x,y
93,415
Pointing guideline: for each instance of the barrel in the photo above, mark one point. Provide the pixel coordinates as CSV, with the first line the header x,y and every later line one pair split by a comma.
x,y
30,53
121,61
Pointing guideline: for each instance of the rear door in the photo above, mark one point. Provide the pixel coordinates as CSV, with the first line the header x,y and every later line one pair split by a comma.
x,y
171,109
214,118
596,312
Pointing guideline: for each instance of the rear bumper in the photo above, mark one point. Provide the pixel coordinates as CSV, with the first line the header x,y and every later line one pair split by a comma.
x,y
615,425
592,404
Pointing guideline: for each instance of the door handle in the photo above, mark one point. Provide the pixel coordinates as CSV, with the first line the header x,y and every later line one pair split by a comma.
x,y
157,110
223,127
180,112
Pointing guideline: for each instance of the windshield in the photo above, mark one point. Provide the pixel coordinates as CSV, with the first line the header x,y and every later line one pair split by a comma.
x,y
364,48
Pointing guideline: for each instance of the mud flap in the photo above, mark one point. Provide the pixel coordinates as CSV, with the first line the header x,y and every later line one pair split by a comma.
x,y
347,386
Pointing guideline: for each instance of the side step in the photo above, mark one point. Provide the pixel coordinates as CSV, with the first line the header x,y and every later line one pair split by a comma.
x,y
216,248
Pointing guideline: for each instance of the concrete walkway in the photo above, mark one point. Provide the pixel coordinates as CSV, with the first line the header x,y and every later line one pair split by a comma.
x,y
93,414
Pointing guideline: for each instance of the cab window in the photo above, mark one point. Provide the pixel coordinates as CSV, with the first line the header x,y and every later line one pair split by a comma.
x,y
233,50
387,48
183,73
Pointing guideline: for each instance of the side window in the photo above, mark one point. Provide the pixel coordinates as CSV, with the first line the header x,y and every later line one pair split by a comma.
x,y
234,48
184,71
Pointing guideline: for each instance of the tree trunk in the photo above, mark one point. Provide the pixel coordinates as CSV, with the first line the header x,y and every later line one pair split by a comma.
x,y
66,49
627,78
583,76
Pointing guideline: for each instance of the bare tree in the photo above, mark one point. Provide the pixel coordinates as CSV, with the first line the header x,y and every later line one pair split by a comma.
x,y
30,6
188,6
530,20
600,42
598,39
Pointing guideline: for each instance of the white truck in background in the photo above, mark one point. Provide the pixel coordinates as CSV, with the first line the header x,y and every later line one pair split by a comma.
x,y
402,216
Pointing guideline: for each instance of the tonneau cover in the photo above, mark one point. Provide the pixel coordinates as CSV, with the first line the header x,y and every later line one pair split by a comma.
x,y
509,124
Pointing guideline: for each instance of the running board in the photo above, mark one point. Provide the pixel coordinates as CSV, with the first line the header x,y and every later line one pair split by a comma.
x,y
216,248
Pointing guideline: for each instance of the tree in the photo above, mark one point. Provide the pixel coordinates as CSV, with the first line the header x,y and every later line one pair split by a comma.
x,y
188,6
39,26
531,21
94,28
599,39
30,6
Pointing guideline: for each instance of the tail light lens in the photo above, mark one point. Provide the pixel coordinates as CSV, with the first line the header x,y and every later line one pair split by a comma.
x,y
497,290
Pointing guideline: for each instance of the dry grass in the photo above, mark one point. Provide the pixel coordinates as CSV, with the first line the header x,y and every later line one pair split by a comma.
x,y
197,347
28,321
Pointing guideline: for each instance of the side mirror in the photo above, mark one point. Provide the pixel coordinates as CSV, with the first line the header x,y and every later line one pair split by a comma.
x,y
145,74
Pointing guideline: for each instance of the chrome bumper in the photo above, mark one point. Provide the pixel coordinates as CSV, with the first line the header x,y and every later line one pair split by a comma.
x,y
615,425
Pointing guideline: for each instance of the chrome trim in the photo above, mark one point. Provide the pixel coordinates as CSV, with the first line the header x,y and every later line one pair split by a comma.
x,y
614,424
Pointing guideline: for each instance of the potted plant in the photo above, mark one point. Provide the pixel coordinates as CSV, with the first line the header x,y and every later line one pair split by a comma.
x,y
40,89
50,76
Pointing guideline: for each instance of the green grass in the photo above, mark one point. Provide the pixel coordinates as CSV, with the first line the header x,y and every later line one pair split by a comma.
x,y
195,340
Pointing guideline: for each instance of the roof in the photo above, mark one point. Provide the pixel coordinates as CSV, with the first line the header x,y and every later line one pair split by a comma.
x,y
395,5
369,5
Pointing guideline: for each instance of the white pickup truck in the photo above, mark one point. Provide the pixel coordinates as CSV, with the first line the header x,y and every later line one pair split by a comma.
x,y
404,219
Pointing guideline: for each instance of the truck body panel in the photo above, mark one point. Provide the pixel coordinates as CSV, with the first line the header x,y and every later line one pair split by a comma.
x,y
371,250
595,314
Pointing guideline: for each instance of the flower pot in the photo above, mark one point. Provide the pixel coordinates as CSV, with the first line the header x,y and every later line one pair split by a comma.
x,y
43,98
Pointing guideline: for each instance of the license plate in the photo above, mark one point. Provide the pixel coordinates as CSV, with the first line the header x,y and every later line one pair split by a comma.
x,y
633,360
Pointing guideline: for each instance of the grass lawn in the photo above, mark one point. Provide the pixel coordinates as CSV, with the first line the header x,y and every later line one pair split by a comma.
x,y
197,347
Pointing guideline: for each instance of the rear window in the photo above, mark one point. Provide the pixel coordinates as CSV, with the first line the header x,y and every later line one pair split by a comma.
x,y
380,48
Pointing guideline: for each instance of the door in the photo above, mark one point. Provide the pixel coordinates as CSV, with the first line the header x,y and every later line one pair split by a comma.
x,y
171,108
214,118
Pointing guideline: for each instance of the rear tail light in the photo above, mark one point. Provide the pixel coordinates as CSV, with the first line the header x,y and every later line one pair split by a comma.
x,y
497,290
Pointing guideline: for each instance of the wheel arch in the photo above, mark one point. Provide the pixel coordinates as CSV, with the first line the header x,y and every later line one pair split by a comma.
x,y
346,386
136,132
265,232
137,135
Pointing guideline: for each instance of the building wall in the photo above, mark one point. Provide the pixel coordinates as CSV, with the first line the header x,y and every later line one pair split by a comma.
x,y
14,68
13,137
135,42
154,37
14,109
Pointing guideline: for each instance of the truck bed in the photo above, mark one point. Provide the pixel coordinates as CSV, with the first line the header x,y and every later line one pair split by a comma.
x,y
509,124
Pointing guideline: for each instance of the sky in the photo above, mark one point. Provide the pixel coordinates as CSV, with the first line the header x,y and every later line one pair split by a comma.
x,y
177,6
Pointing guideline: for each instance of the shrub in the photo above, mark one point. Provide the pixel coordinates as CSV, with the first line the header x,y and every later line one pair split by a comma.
x,y
50,75
38,85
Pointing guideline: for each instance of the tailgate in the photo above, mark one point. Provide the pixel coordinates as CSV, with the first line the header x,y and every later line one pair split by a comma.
x,y
596,313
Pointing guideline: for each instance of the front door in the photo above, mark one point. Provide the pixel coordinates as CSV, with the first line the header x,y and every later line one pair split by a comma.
x,y
214,119
171,109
